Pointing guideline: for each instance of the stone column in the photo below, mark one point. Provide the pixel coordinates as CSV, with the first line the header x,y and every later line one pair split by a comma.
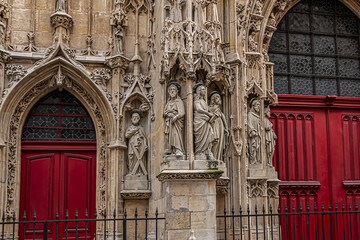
x,y
189,121
190,203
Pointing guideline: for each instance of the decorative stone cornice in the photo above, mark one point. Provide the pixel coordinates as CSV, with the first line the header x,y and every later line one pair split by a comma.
x,y
118,61
135,194
223,181
61,19
175,175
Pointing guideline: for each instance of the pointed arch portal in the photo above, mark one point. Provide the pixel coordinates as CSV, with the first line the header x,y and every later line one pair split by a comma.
x,y
58,165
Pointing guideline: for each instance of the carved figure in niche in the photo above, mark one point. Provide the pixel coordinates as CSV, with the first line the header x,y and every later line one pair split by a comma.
x,y
258,7
254,132
270,137
175,13
118,40
219,126
137,146
203,119
252,42
174,113
60,5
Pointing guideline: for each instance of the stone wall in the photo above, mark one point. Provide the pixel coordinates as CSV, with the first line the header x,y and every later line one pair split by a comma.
x,y
189,82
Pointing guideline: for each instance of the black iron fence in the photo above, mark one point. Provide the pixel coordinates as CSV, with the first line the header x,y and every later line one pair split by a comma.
x,y
338,222
89,227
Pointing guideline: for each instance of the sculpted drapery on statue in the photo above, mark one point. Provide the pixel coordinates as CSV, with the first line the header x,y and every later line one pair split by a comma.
x,y
270,137
203,132
174,113
137,146
118,40
254,132
219,126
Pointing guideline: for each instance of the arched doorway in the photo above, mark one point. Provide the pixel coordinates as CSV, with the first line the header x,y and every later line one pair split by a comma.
x,y
317,76
58,166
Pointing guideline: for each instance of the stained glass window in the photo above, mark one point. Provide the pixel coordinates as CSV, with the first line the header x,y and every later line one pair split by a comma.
x,y
59,116
316,50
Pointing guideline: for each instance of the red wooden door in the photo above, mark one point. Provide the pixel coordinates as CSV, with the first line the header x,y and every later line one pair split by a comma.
x,y
317,157
57,181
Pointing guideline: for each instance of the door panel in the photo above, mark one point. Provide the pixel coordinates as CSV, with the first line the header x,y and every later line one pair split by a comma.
x,y
58,181
41,190
77,188
317,157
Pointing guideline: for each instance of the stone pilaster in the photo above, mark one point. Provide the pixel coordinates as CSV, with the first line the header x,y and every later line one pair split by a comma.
x,y
190,203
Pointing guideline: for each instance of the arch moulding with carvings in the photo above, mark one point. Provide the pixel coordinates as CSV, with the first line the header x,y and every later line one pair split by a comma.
x,y
57,73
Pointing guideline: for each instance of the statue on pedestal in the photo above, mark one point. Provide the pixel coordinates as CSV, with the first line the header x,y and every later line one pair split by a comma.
x,y
270,137
174,114
118,40
60,5
220,127
137,146
254,132
203,118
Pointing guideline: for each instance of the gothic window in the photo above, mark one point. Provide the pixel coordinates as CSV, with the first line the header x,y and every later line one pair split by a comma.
x,y
59,116
316,50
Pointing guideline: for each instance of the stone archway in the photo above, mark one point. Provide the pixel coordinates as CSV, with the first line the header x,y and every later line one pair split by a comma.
x,y
58,73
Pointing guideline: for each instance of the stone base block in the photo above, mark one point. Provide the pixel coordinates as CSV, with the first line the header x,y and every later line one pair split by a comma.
x,y
136,182
205,164
172,162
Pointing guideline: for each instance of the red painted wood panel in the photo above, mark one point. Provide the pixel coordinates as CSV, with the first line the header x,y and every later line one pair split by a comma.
x,y
58,181
322,143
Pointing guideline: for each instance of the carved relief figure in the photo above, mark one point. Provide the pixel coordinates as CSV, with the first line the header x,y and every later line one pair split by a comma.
x,y
60,5
118,40
175,13
137,146
174,113
252,42
219,126
270,137
203,132
254,132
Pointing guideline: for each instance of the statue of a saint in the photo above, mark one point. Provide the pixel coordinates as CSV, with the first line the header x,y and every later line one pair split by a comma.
x,y
219,126
270,137
254,132
118,40
174,113
60,5
203,118
137,146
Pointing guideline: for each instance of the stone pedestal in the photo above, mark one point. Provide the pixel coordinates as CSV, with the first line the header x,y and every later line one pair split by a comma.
x,y
172,162
190,203
136,182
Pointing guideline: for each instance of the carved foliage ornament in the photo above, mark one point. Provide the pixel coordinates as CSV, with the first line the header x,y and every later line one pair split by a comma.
x,y
15,132
14,73
61,20
256,188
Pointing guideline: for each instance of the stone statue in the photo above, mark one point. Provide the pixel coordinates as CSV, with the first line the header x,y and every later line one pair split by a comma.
x,y
203,118
254,132
60,5
137,146
270,137
174,113
175,14
252,42
118,40
219,125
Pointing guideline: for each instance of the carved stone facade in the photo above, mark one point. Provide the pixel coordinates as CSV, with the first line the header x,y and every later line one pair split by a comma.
x,y
178,92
